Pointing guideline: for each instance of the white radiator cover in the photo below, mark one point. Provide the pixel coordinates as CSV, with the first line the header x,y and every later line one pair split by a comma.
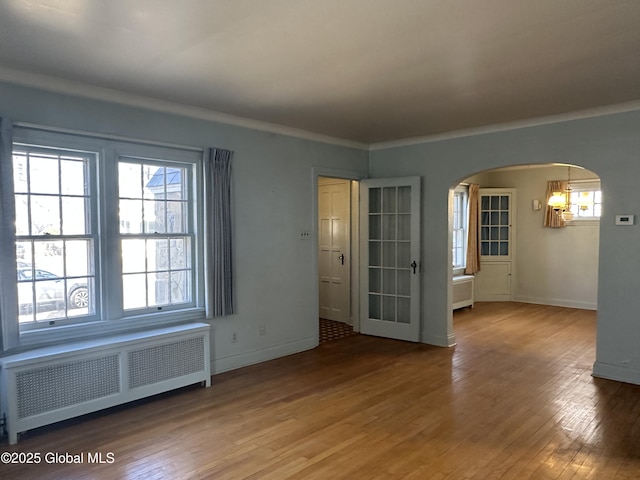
x,y
462,295
55,383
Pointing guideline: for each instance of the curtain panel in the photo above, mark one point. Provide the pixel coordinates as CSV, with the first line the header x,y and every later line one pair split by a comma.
x,y
9,330
551,218
219,233
473,232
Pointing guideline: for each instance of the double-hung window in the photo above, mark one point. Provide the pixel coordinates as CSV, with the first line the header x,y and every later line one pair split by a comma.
x,y
586,200
460,228
108,233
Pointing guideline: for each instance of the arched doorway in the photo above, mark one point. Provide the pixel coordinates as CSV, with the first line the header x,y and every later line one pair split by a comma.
x,y
552,266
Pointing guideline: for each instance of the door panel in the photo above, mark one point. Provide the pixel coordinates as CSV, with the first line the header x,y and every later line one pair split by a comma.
x,y
334,227
494,281
390,247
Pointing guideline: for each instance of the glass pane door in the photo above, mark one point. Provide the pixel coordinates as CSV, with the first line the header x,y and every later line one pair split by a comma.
x,y
495,223
389,253
391,289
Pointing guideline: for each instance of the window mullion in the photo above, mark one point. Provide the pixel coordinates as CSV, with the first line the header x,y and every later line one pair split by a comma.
x,y
111,251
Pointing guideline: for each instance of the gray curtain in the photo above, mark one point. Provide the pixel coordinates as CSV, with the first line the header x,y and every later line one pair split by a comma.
x,y
8,288
219,238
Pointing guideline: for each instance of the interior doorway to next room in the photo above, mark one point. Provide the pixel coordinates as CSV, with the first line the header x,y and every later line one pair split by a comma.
x,y
334,252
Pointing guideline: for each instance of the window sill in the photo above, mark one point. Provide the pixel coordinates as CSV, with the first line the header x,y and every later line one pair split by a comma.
x,y
591,222
458,271
68,333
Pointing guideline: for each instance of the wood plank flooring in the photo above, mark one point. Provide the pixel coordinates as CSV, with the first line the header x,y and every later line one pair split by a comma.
x,y
513,400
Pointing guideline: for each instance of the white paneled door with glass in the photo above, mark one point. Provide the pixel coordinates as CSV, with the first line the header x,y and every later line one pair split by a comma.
x,y
497,234
390,261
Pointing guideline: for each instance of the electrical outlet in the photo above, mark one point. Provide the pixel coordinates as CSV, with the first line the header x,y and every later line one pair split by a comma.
x,y
262,330
305,235
234,337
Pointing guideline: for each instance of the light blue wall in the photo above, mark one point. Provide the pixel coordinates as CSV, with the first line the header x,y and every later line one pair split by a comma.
x,y
609,146
273,194
273,188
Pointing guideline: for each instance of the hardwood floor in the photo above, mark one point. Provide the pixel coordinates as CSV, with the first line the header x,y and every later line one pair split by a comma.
x,y
513,400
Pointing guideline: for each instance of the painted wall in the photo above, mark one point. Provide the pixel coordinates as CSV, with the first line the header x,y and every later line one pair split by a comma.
x,y
553,266
273,202
608,145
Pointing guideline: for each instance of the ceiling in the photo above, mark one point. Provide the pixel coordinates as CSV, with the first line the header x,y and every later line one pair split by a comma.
x,y
367,71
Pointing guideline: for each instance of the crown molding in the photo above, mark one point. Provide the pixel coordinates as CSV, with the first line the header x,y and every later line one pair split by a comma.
x,y
69,87
515,125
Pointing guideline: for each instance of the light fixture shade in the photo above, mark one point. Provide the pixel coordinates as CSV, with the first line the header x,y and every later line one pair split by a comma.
x,y
558,201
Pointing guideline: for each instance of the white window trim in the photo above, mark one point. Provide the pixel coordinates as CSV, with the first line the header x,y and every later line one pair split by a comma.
x,y
463,188
111,317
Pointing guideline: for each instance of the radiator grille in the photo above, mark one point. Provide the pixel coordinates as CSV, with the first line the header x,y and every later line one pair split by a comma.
x,y
163,362
57,386
462,291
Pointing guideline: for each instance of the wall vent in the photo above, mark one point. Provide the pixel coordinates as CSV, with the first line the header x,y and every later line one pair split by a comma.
x,y
50,384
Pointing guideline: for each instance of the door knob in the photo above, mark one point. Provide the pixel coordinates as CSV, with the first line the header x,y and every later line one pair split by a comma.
x,y
341,257
414,266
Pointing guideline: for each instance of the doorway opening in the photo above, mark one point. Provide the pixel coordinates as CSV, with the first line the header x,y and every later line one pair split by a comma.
x,y
337,255
378,250
555,266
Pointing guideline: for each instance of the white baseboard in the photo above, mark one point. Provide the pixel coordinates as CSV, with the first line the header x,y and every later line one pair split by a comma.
x,y
439,340
245,359
556,302
616,372
479,297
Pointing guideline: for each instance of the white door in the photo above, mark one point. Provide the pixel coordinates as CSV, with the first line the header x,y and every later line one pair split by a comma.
x,y
497,242
334,240
390,258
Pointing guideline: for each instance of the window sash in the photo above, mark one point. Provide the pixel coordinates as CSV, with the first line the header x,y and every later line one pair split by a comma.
x,y
59,299
161,285
460,226
170,274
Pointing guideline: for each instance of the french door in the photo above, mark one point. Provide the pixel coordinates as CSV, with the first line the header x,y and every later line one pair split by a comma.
x,y
390,258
